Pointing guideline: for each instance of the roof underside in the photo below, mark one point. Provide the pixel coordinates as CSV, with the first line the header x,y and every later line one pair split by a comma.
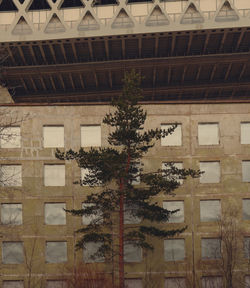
x,y
190,65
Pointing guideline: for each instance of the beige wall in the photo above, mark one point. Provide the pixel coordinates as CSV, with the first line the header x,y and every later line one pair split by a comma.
x,y
33,194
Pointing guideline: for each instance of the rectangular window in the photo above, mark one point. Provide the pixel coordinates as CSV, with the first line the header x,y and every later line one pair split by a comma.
x,y
167,166
91,136
89,252
55,214
208,133
211,282
11,214
132,253
210,210
245,133
56,252
247,281
12,253
177,282
95,217
246,209
211,172
174,139
10,137
246,171
53,136
210,248
247,247
174,249
56,284
13,284
177,217
11,175
130,217
133,283
54,175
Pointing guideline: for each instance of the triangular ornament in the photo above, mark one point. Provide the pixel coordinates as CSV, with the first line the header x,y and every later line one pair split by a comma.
x,y
157,18
122,20
88,23
192,15
55,25
22,27
226,13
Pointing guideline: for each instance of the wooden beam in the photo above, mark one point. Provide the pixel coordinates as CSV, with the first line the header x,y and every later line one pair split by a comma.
x,y
228,71
156,45
244,66
33,54
130,63
213,72
72,81
52,83
184,74
242,33
206,42
33,83
110,80
198,73
106,43
61,81
81,80
73,46
173,44
43,54
123,49
64,53
223,40
140,46
190,40
90,50
52,51
21,54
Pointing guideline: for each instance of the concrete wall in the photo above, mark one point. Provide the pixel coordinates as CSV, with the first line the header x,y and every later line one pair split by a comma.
x,y
33,194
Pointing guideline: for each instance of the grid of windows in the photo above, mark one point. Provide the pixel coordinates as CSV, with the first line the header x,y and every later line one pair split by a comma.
x,y
246,209
90,252
10,137
53,136
175,282
55,214
132,253
56,252
174,249
178,216
91,136
245,133
11,175
208,133
13,284
210,210
212,282
54,175
174,139
211,172
167,165
11,214
210,248
246,171
133,283
12,253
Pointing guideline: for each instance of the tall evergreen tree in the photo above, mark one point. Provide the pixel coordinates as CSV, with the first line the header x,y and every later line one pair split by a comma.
x,y
116,169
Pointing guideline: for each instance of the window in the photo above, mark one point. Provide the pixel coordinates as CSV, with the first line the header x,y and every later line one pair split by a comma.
x,y
210,210
174,139
84,173
245,133
247,247
53,136
211,172
56,252
133,283
12,253
246,171
11,214
11,175
54,175
177,282
130,214
56,284
247,281
211,248
174,249
178,165
87,219
177,217
13,284
211,282
208,133
246,209
90,136
89,252
10,137
55,214
132,253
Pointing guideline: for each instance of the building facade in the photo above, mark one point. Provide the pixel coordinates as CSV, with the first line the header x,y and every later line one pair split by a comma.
x,y
63,61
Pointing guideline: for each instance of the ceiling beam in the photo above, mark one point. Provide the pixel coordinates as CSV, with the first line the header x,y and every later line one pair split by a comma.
x,y
243,57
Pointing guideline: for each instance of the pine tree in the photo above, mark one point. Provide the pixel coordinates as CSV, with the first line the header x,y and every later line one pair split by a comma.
x,y
116,169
